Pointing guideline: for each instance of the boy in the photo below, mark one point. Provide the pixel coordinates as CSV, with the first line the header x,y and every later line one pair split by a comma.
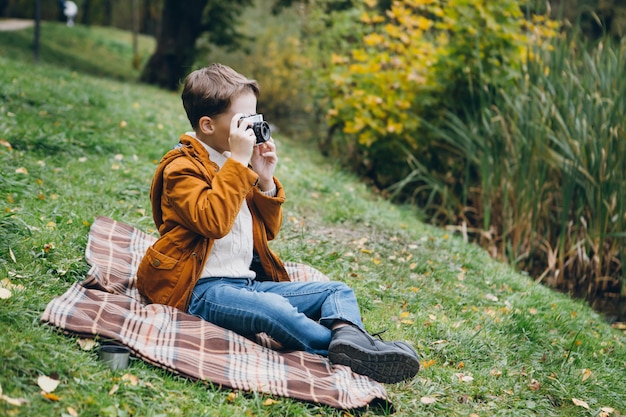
x,y
216,204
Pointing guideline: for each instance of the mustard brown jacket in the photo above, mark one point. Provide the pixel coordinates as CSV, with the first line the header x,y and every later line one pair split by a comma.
x,y
195,202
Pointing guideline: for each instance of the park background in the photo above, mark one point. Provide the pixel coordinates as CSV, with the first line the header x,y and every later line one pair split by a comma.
x,y
502,124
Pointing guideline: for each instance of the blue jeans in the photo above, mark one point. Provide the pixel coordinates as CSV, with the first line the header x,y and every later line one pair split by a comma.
x,y
296,314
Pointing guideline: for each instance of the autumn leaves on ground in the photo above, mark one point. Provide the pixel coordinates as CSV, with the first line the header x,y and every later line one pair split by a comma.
x,y
74,147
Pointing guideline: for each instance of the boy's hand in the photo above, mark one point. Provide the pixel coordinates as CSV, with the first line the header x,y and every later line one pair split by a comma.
x,y
241,140
264,160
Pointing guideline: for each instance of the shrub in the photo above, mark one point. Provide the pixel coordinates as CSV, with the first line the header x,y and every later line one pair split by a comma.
x,y
391,70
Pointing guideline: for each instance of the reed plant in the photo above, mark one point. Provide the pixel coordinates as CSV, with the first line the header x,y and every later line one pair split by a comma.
x,y
543,169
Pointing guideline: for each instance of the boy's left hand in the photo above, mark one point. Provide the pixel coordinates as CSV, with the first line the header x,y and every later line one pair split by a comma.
x,y
263,162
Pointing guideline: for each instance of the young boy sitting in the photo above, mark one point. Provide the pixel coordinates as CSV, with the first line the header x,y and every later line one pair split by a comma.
x,y
216,204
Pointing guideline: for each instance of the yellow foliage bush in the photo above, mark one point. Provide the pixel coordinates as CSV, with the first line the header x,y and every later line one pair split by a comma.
x,y
410,62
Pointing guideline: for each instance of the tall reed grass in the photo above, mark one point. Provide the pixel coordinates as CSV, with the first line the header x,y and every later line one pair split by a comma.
x,y
544,166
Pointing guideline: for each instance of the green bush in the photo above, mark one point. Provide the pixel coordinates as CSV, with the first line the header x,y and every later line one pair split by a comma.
x,y
392,69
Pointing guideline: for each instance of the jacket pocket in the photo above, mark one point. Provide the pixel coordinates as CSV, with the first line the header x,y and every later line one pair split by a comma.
x,y
157,276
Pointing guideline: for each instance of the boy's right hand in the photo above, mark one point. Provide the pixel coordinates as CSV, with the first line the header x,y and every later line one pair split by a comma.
x,y
241,140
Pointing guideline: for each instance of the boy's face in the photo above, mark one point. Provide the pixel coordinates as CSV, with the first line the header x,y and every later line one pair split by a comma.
x,y
217,136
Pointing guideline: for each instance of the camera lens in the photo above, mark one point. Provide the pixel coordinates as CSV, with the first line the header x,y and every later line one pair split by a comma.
x,y
261,131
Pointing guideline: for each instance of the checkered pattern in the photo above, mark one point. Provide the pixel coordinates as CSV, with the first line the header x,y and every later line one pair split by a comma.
x,y
108,304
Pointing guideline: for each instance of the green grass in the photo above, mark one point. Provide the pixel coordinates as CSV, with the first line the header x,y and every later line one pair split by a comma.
x,y
94,50
492,341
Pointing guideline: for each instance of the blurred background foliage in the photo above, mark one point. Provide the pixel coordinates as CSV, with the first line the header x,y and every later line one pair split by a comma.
x,y
503,121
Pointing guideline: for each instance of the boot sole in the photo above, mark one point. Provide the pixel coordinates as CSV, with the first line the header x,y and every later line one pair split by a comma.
x,y
385,367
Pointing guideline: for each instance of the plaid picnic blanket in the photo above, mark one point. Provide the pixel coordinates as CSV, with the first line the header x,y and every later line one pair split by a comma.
x,y
108,304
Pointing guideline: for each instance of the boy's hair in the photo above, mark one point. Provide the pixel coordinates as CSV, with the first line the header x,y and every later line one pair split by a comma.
x,y
209,91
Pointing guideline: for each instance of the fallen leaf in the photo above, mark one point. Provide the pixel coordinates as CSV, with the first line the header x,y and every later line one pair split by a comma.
x,y
12,401
428,363
12,255
86,344
47,384
114,389
534,385
269,401
606,411
232,396
131,378
586,374
5,294
580,403
72,412
50,396
428,400
21,170
464,378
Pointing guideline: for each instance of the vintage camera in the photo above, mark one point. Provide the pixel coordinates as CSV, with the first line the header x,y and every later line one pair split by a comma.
x,y
260,128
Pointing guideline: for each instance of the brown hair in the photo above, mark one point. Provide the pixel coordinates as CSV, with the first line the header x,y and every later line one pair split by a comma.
x,y
209,91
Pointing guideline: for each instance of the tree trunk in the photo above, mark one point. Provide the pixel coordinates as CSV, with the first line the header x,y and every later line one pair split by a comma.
x,y
181,25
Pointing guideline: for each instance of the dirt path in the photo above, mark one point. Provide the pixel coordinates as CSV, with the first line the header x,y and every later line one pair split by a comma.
x,y
14,24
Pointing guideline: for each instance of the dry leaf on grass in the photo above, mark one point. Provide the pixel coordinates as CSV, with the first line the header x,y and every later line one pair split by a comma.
x,y
47,384
580,403
86,344
428,400
12,401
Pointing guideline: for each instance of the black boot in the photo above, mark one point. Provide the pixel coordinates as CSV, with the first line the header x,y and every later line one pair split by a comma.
x,y
387,362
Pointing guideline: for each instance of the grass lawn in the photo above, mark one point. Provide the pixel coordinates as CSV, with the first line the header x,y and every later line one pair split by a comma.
x,y
74,146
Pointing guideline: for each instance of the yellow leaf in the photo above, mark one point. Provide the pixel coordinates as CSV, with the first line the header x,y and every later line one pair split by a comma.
x,y
51,397
269,402
428,363
47,384
72,412
232,396
408,322
21,170
123,123
580,403
586,374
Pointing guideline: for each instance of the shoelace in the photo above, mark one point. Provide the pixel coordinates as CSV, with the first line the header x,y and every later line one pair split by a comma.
x,y
377,334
